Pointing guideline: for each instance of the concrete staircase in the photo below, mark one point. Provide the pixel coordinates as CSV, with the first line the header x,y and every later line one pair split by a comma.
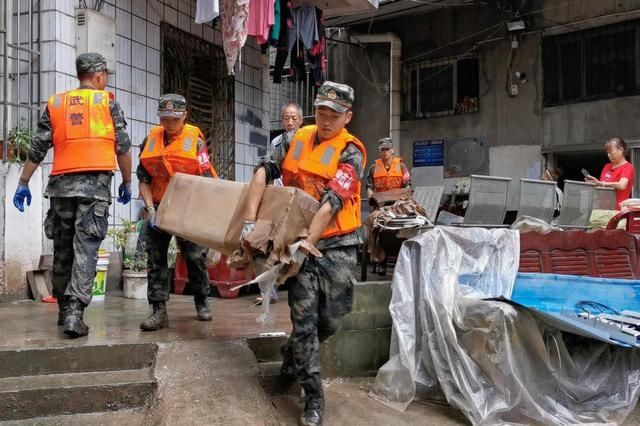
x,y
75,379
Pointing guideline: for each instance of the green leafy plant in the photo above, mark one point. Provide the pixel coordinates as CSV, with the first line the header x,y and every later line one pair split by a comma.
x,y
119,235
19,141
137,263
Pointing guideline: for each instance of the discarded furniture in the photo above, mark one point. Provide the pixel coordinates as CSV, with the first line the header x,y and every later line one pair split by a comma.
x,y
537,199
429,197
602,253
577,204
632,218
487,201
604,199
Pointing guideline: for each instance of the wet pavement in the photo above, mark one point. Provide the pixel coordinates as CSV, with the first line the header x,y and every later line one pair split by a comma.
x,y
116,320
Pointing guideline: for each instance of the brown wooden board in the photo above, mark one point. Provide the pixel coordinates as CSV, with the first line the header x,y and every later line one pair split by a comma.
x,y
46,262
38,284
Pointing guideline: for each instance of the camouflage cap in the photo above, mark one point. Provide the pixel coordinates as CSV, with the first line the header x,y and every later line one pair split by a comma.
x,y
385,143
172,105
338,97
87,63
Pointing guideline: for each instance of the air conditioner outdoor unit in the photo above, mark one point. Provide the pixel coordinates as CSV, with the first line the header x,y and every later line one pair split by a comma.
x,y
96,33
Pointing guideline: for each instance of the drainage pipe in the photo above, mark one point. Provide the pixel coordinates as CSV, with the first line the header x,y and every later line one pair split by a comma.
x,y
395,81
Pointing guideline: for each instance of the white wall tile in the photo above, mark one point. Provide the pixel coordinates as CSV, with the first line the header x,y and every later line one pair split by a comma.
x,y
155,12
124,4
49,25
139,8
138,111
153,60
65,82
139,30
184,6
48,56
184,22
153,35
153,86
138,81
123,23
171,15
138,55
65,58
171,3
47,85
124,99
152,109
207,33
123,50
66,26
196,29
109,10
123,76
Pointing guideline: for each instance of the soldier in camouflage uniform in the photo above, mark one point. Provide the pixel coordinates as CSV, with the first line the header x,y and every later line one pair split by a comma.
x,y
328,163
79,189
171,142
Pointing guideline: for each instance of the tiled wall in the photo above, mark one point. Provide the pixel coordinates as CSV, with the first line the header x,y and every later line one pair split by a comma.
x,y
137,81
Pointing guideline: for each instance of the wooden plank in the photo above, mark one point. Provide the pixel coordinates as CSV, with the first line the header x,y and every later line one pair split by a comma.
x,y
46,262
38,284
31,280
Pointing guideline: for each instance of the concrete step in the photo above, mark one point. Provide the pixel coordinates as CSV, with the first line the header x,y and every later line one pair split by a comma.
x,y
76,359
26,397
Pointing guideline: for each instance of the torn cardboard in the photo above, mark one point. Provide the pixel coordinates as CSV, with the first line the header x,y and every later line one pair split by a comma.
x,y
210,212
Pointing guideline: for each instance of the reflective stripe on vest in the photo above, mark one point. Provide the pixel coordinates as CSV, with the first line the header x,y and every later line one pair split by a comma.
x,y
386,180
310,167
84,137
180,156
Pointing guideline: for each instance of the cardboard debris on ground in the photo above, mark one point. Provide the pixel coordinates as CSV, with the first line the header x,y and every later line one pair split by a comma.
x,y
210,212
40,284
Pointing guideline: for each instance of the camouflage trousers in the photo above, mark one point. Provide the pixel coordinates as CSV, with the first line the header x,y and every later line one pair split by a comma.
x,y
77,226
157,246
318,297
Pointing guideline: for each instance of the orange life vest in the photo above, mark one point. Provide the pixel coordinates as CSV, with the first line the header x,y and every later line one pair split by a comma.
x,y
162,162
310,168
385,180
84,138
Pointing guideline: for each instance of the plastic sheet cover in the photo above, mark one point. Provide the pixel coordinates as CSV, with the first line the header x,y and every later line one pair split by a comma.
x,y
491,360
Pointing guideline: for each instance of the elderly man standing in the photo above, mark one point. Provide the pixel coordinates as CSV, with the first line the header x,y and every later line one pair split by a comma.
x,y
87,130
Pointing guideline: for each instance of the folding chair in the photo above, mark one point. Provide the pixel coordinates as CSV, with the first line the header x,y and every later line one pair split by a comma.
x,y
604,199
487,201
577,204
537,199
429,197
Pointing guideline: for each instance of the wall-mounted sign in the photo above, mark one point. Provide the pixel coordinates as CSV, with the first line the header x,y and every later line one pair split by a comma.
x,y
428,153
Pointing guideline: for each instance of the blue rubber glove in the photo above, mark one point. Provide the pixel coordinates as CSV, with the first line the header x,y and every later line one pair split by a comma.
x,y
22,192
124,193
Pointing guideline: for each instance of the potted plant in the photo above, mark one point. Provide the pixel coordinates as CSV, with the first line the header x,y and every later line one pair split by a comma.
x,y
18,143
135,275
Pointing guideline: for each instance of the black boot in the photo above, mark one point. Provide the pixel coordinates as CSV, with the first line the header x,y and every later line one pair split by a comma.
x,y
62,310
382,269
158,319
202,308
313,412
74,325
374,267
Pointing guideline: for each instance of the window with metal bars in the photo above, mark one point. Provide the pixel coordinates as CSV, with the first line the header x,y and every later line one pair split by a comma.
x,y
443,87
598,63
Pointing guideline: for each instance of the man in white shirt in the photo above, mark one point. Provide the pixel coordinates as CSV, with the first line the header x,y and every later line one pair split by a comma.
x,y
291,122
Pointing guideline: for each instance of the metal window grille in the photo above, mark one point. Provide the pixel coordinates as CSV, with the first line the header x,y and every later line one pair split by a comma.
x,y
20,90
299,92
442,87
598,63
197,70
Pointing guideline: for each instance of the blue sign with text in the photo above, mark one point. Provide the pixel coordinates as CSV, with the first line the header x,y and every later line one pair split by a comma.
x,y
428,153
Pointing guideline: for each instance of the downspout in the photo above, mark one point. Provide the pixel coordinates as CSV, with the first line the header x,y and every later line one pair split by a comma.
x,y
395,81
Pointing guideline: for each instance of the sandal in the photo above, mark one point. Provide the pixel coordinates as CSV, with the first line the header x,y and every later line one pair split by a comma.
x,y
258,301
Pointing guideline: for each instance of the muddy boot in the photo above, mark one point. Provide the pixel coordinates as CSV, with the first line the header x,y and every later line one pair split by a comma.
x,y
374,268
202,308
382,269
158,319
313,412
62,310
74,325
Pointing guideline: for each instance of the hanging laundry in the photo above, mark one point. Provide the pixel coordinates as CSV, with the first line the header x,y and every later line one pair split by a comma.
x,y
261,17
305,29
274,33
207,10
286,22
234,15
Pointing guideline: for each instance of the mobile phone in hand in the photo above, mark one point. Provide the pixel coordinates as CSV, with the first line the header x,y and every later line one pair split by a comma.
x,y
585,173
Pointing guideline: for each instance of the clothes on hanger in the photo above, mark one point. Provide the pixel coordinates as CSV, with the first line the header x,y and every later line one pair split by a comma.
x,y
261,18
234,15
207,10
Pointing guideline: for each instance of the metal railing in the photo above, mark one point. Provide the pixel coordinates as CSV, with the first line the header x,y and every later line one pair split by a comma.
x,y
301,92
18,57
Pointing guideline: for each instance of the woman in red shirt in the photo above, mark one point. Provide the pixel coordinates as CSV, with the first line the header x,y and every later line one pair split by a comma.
x,y
618,174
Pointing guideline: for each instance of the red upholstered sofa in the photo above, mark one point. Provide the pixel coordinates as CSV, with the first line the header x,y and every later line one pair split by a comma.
x,y
604,254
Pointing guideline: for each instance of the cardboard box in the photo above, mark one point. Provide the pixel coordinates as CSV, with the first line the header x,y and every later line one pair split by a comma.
x,y
210,212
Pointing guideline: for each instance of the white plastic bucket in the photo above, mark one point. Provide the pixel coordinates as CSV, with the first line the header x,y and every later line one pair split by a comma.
x,y
134,284
100,281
